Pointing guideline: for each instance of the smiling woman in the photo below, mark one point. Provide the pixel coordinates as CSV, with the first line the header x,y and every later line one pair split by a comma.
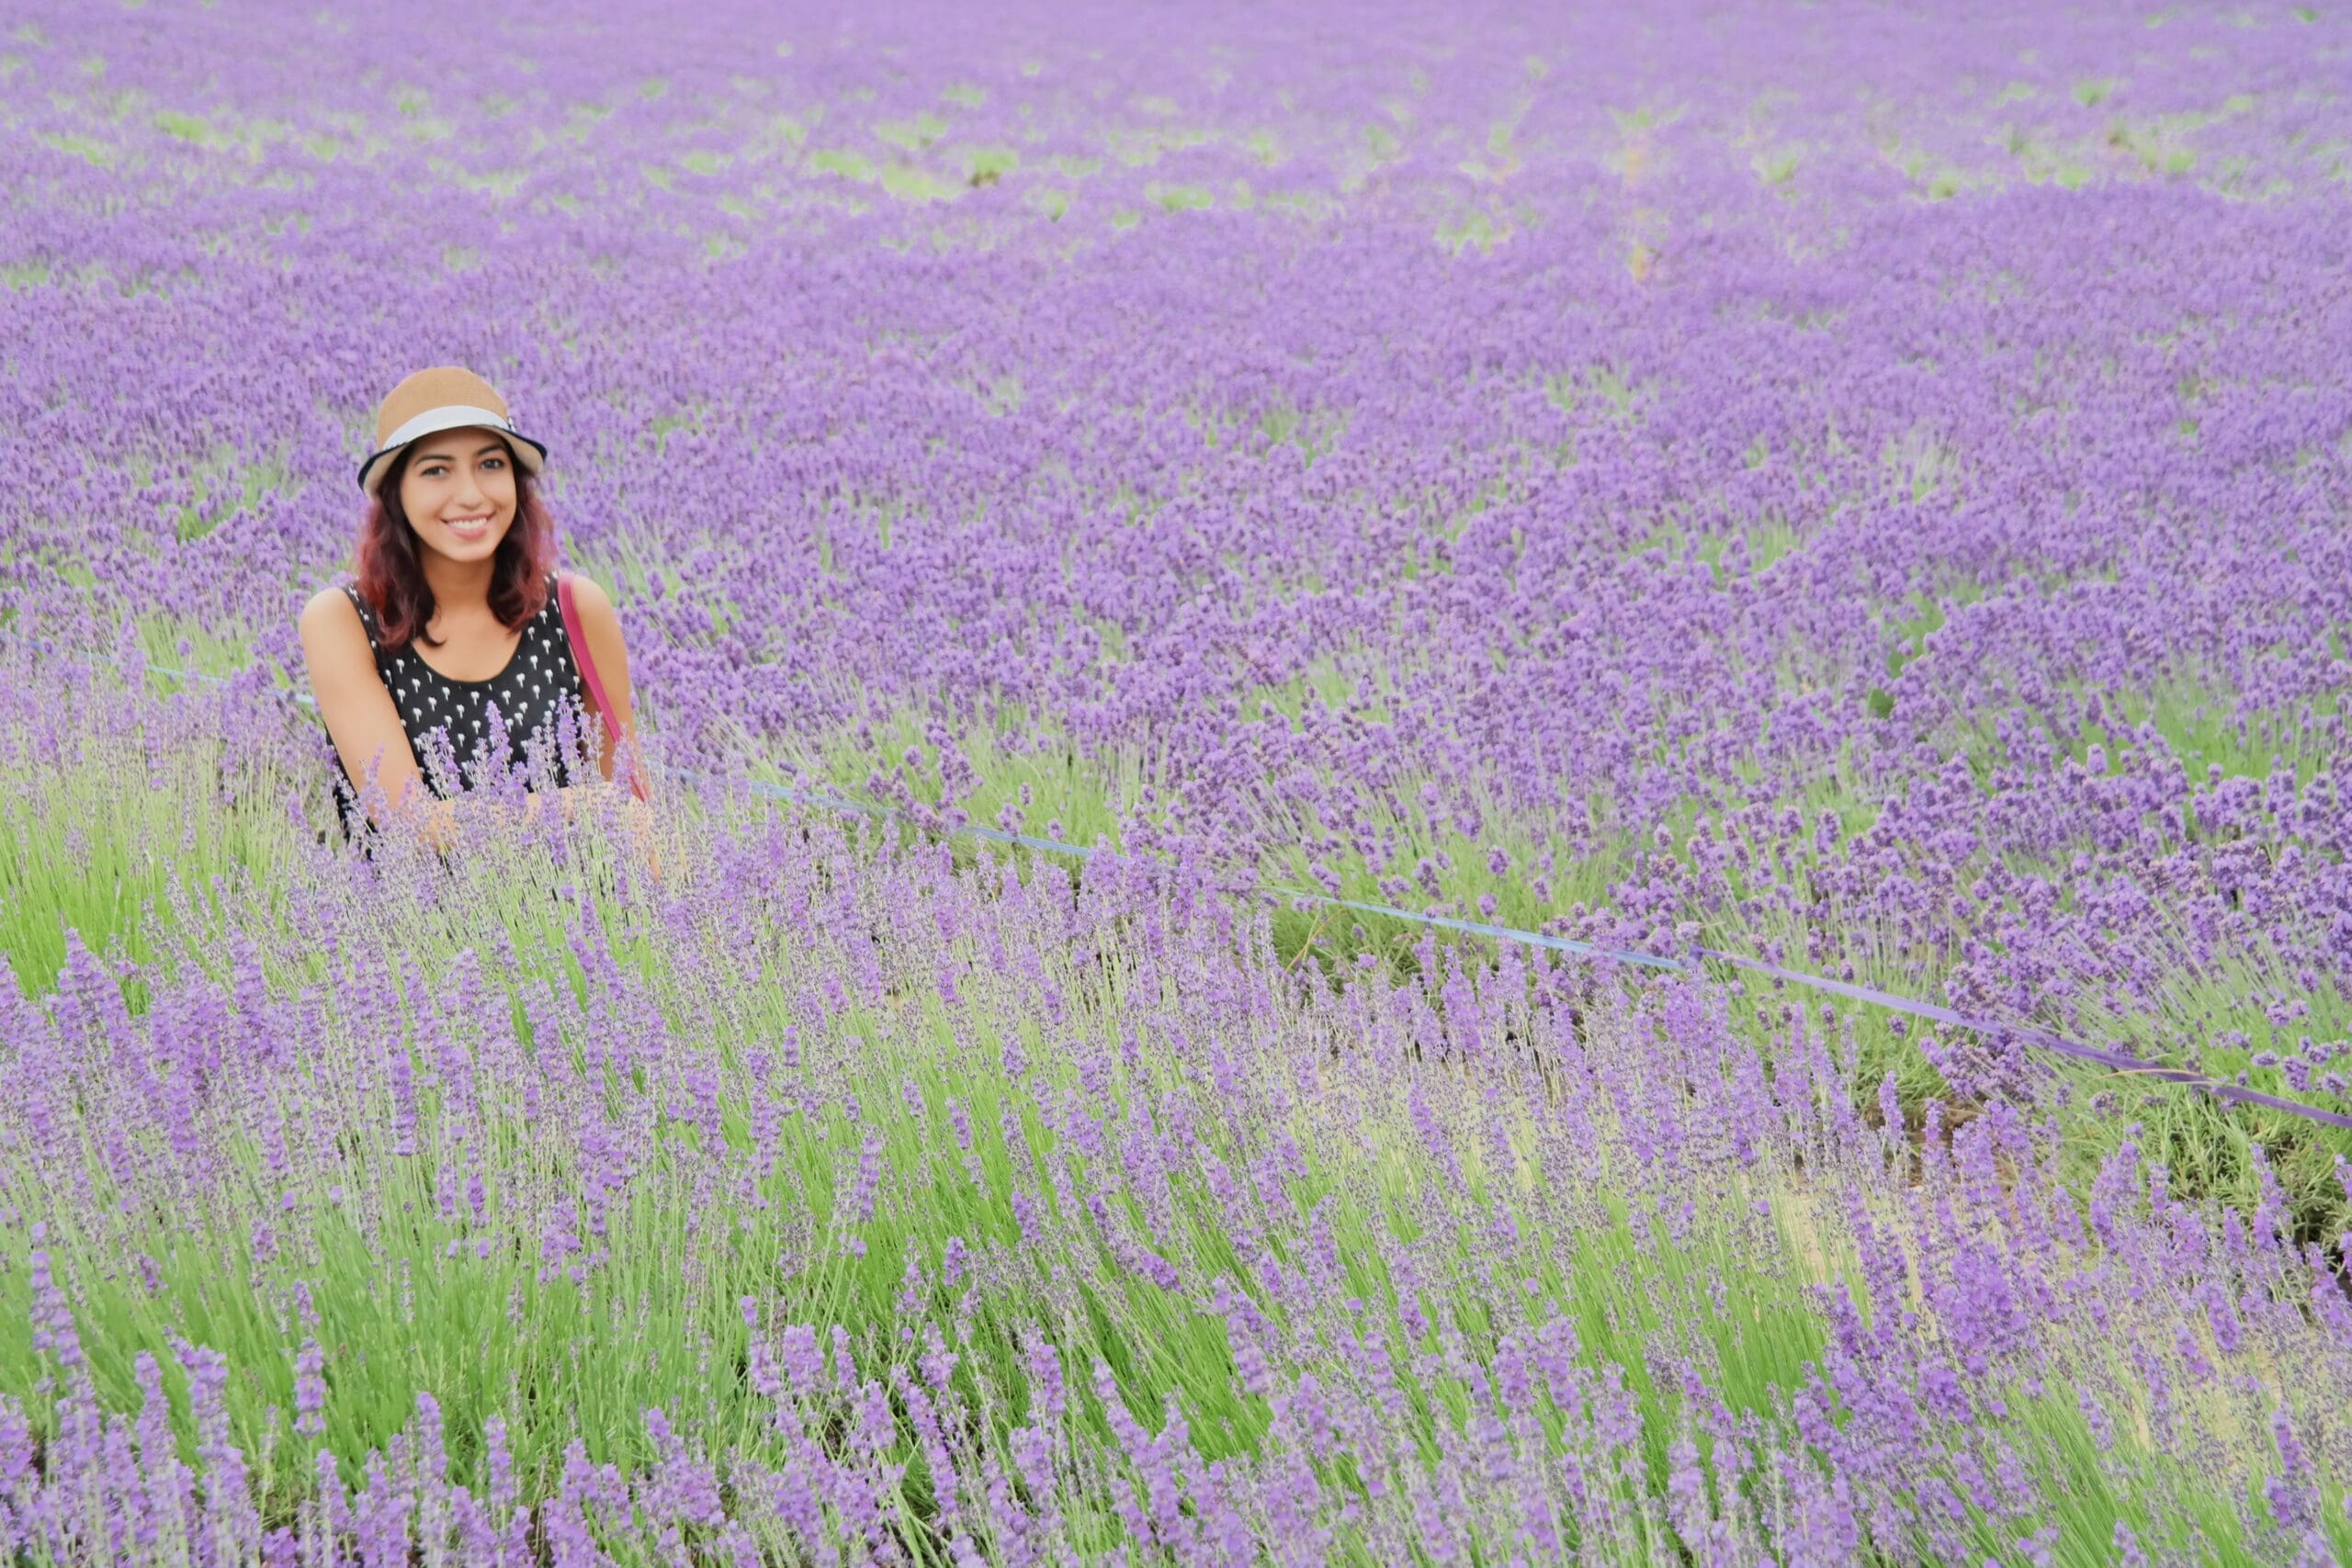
x,y
457,557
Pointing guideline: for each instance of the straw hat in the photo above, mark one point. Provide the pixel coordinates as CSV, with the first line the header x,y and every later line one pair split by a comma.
x,y
443,398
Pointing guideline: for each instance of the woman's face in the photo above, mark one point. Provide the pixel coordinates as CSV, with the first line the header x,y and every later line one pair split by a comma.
x,y
459,492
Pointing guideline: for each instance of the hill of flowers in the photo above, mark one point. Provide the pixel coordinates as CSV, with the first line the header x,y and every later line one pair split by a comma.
x,y
1872,492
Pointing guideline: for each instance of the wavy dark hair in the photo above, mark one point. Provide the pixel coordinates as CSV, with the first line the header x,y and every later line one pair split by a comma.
x,y
393,584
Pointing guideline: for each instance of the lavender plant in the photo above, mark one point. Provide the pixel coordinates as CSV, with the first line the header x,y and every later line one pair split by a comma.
x,y
1862,490
838,1200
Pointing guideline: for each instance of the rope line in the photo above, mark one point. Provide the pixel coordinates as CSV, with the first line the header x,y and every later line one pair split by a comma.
x,y
1932,1011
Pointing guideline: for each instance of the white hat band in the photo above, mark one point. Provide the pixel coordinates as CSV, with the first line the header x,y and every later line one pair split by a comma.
x,y
455,416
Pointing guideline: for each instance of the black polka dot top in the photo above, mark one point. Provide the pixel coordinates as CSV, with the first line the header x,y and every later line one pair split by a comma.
x,y
529,694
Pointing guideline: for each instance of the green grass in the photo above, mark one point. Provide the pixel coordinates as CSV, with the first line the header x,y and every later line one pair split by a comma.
x,y
107,841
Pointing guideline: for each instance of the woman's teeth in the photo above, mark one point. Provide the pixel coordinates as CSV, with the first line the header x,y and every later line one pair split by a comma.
x,y
471,529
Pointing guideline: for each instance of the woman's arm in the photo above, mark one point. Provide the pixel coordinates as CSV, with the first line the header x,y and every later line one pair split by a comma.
x,y
601,624
358,712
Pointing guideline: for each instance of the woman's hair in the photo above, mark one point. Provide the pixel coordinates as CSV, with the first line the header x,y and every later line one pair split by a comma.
x,y
393,584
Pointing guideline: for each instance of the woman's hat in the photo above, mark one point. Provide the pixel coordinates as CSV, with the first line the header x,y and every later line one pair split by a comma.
x,y
443,398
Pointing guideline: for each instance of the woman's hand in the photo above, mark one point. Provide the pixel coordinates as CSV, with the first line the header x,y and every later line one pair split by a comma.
x,y
564,798
440,826
640,832
636,815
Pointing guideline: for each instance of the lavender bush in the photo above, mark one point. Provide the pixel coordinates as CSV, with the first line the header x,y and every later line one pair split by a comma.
x,y
840,1201
1864,490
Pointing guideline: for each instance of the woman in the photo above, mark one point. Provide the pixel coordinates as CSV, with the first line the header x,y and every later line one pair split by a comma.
x,y
456,560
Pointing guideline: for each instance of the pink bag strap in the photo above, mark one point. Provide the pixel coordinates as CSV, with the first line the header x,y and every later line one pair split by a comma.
x,y
587,663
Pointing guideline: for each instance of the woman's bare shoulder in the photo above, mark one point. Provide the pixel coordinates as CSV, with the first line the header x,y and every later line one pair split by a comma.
x,y
343,591
595,604
331,607
587,592
331,628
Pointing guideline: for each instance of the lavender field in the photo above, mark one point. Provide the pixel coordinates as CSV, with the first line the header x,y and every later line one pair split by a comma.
x,y
1868,492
